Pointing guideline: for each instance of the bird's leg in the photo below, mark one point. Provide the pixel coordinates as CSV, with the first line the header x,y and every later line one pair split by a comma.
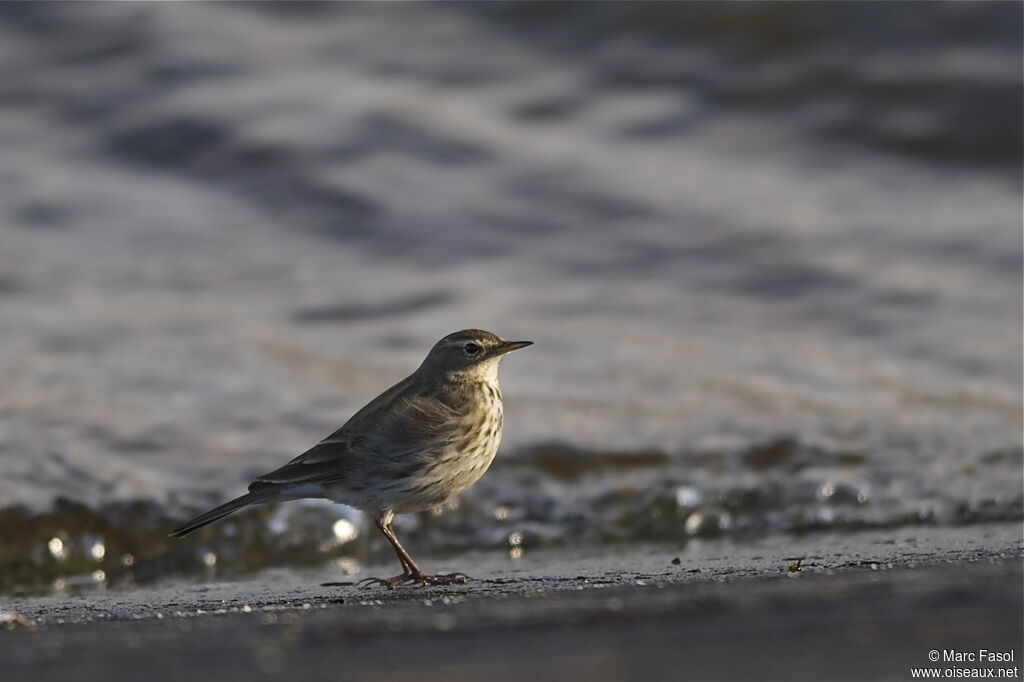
x,y
409,568
411,573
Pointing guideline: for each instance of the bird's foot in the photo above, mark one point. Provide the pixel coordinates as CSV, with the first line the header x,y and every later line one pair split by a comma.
x,y
416,579
390,583
442,579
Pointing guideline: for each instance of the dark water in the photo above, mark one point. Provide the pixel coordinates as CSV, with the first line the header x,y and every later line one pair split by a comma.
x,y
770,255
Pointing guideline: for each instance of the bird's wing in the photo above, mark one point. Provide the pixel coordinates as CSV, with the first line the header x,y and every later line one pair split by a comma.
x,y
382,427
322,462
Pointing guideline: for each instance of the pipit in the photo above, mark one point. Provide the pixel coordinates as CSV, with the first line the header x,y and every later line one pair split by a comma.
x,y
417,445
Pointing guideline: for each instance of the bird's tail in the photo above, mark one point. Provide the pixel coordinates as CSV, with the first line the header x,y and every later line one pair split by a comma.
x,y
219,513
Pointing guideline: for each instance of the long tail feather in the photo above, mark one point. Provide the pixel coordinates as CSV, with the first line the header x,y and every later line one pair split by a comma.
x,y
218,513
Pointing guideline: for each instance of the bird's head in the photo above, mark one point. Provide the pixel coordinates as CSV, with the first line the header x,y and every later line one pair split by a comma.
x,y
471,354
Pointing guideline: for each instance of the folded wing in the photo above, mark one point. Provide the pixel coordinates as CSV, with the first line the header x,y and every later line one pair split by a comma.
x,y
375,431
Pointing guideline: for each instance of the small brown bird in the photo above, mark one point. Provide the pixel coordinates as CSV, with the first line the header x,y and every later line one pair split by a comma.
x,y
415,446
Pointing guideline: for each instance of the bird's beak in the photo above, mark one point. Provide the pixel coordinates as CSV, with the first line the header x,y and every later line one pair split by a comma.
x,y
510,346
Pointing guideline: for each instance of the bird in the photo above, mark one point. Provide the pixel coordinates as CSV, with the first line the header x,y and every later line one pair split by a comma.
x,y
417,445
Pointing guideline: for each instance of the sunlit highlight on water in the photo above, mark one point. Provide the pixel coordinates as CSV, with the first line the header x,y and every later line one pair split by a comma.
x,y
57,549
688,496
515,541
344,531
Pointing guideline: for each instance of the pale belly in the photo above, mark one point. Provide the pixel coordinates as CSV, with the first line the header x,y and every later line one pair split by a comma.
x,y
451,476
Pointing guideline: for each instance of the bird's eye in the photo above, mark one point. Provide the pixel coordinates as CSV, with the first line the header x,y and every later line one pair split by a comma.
x,y
471,348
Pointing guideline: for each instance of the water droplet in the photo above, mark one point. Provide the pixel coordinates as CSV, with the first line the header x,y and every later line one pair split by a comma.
x,y
98,550
688,496
57,549
344,531
844,492
711,522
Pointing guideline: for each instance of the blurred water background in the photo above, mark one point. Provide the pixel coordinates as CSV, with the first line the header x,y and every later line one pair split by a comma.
x,y
770,255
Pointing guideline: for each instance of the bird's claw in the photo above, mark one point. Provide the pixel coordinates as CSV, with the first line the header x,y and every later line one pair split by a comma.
x,y
389,583
444,579
417,579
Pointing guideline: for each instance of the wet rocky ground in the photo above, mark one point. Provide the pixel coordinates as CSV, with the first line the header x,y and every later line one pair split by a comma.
x,y
500,575
852,607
